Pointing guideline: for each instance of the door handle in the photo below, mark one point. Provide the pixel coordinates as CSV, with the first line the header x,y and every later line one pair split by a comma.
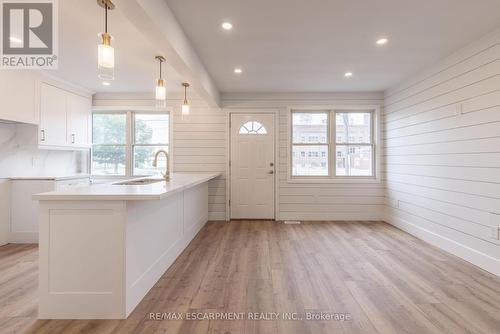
x,y
271,172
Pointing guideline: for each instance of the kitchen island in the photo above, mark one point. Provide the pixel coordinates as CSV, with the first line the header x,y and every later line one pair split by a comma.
x,y
103,247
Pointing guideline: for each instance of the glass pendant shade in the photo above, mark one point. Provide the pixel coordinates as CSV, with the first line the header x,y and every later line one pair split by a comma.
x,y
106,58
161,93
185,108
161,90
185,104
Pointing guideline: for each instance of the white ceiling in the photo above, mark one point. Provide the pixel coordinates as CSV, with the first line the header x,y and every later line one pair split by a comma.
x,y
135,66
307,45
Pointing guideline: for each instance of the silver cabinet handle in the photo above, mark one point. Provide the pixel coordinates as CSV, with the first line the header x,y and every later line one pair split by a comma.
x,y
72,138
43,135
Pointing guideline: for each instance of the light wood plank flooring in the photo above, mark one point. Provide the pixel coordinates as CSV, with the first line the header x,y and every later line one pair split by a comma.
x,y
384,279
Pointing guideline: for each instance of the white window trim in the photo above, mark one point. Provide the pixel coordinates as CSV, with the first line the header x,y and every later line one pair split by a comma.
x,y
332,143
129,143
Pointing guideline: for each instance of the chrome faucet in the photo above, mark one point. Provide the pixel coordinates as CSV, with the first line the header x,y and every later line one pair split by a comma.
x,y
166,175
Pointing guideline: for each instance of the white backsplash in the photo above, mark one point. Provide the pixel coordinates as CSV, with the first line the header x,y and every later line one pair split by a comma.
x,y
18,158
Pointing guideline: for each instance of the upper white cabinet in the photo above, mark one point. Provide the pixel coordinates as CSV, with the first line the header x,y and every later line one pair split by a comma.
x,y
78,120
64,118
18,96
53,119
61,110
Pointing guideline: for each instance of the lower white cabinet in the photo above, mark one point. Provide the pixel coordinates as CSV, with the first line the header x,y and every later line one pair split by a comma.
x,y
24,210
4,211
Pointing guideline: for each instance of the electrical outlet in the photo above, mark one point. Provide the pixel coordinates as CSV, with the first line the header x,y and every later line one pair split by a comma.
x,y
458,109
495,225
35,161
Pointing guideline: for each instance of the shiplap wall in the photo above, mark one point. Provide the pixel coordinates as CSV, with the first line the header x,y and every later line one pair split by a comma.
x,y
199,141
441,137
314,201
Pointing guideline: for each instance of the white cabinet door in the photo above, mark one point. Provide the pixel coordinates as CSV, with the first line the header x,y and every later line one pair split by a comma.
x,y
17,93
24,211
4,211
53,122
78,120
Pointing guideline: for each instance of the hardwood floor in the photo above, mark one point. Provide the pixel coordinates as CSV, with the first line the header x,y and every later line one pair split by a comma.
x,y
382,279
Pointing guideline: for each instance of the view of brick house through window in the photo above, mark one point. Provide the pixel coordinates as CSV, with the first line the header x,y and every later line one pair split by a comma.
x,y
352,142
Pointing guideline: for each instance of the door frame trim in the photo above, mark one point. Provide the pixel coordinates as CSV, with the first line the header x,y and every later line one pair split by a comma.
x,y
257,111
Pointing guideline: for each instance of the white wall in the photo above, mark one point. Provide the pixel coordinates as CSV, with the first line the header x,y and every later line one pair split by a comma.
x,y
314,201
18,157
442,144
200,144
199,141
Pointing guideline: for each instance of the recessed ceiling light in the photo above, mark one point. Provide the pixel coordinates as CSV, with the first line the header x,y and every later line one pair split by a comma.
x,y
238,70
382,41
106,83
348,74
227,26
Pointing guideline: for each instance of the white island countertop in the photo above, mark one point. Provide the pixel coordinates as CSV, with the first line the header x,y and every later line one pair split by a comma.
x,y
114,192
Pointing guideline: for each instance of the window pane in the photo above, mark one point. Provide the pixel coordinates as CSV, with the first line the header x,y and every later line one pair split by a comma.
x,y
354,161
353,127
143,160
108,160
252,128
109,128
151,128
310,127
310,160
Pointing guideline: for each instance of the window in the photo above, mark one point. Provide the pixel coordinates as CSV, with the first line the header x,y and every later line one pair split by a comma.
x,y
350,153
357,150
109,144
124,143
314,127
252,128
150,135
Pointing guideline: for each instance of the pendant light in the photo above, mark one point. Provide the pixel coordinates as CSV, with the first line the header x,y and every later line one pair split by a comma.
x,y
185,104
161,89
105,52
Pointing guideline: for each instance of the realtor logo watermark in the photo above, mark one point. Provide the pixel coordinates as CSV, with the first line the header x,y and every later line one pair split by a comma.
x,y
29,36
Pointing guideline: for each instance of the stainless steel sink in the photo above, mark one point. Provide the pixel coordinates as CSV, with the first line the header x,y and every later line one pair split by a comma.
x,y
137,182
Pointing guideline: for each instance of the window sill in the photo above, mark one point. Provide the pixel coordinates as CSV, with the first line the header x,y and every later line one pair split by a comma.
x,y
329,180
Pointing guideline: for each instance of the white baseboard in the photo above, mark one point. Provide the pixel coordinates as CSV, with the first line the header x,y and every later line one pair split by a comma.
x,y
138,289
23,237
468,254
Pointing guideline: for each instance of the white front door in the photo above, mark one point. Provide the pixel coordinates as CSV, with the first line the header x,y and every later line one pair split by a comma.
x,y
252,166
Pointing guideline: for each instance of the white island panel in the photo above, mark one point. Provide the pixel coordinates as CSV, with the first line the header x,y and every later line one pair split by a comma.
x,y
99,258
154,240
81,260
